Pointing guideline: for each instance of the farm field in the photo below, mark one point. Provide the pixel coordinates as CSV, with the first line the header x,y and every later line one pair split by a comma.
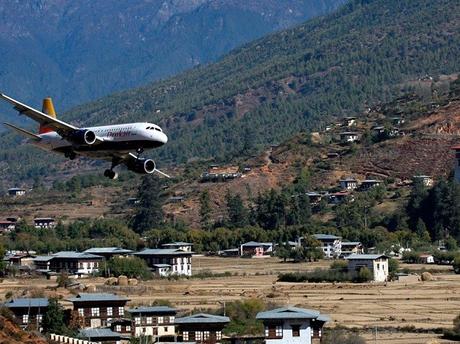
x,y
424,305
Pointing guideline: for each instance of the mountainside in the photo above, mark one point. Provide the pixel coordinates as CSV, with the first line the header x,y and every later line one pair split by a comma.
x,y
78,51
272,88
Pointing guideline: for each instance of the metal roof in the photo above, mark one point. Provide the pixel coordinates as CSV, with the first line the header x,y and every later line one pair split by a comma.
x,y
161,251
355,256
94,333
152,309
202,318
42,258
255,243
27,302
161,265
325,236
97,250
89,297
178,243
73,254
351,243
290,313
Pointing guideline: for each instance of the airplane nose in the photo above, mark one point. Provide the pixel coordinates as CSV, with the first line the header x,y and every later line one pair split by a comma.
x,y
164,138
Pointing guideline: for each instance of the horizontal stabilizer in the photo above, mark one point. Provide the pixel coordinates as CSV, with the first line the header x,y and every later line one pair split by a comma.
x,y
23,132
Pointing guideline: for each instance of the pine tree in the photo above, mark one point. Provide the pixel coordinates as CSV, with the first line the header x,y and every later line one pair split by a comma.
x,y
205,210
53,319
237,213
150,213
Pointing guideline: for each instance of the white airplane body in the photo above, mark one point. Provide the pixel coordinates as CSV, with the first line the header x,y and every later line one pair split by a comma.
x,y
115,143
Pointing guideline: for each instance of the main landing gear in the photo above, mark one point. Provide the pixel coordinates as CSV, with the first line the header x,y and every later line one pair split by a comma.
x,y
70,154
110,173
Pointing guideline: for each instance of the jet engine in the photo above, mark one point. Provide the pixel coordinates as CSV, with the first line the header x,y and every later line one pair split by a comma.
x,y
142,166
83,137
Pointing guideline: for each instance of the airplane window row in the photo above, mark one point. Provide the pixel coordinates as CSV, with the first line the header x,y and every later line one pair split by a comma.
x,y
154,128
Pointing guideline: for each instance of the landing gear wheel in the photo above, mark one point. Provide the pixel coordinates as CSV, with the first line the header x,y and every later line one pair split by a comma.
x,y
110,174
71,155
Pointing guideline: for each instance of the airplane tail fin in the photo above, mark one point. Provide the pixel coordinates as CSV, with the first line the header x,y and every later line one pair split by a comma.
x,y
48,108
23,132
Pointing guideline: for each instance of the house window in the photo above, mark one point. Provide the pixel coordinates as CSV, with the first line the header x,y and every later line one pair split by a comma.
x,y
206,335
149,320
95,312
198,335
118,328
171,319
279,331
137,320
109,311
25,319
81,312
160,320
218,335
185,335
39,318
267,331
295,330
128,328
378,266
121,311
165,329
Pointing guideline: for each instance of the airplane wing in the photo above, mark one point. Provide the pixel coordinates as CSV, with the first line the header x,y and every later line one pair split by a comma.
x,y
40,117
24,132
128,159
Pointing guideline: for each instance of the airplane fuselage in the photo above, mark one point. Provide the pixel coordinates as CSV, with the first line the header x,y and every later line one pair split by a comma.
x,y
120,138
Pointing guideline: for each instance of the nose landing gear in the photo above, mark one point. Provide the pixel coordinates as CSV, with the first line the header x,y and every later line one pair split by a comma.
x,y
70,154
110,174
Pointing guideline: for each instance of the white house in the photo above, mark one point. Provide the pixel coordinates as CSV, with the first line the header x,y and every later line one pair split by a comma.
x,y
256,249
179,261
157,321
349,137
330,244
292,325
376,263
348,183
426,180
179,245
16,191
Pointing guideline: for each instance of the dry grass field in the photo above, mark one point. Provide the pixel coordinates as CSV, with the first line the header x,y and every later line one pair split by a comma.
x,y
387,307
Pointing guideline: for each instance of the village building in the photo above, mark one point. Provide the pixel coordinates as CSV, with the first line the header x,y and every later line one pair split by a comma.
x,y
376,263
369,184
178,261
74,263
202,328
427,181
292,325
179,245
330,244
122,325
348,183
350,247
349,121
314,197
23,260
176,199
98,310
103,335
349,137
231,252
256,249
426,258
379,129
44,222
333,155
397,120
157,322
340,197
221,174
28,311
16,192
7,226
108,252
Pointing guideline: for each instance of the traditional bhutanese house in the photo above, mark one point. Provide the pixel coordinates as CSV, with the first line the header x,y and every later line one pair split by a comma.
x,y
180,261
349,121
349,137
330,244
333,155
314,197
179,245
369,183
350,247
340,197
292,325
426,258
202,328
215,174
376,263
16,191
231,252
7,226
74,263
256,249
23,261
348,183
108,252
103,335
157,322
44,222
28,311
426,180
379,129
98,309
122,326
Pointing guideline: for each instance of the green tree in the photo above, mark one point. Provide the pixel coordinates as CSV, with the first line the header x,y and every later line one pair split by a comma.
x,y
132,267
237,212
364,275
205,210
149,214
53,319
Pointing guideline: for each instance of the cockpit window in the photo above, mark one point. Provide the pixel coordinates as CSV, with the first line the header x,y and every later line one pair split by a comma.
x,y
158,129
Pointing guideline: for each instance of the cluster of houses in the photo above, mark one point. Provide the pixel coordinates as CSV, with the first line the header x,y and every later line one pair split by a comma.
x,y
221,174
9,224
172,259
105,318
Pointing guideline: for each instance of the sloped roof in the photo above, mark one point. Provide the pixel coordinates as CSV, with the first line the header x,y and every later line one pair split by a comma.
x,y
152,309
355,256
97,250
291,313
27,302
178,243
255,243
94,333
74,254
91,297
162,251
325,236
203,318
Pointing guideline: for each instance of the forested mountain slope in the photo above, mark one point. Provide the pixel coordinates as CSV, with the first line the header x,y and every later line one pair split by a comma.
x,y
78,51
287,82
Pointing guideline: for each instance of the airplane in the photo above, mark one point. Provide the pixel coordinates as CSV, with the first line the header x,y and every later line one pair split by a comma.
x,y
115,143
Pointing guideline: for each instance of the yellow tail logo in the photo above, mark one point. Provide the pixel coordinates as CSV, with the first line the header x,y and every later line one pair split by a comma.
x,y
47,108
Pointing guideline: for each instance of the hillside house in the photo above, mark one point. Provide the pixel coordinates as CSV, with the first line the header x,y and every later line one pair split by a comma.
x,y
103,336
74,263
28,311
379,129
398,121
98,309
348,184
314,197
426,258
349,121
44,222
108,252
333,155
340,197
179,245
369,184
179,261
176,199
427,181
16,191
349,137
221,174
350,247
376,263
256,249
292,325
7,226
201,328
330,244
157,322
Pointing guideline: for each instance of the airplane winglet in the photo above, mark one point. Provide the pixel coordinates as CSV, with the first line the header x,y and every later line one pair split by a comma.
x,y
23,132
